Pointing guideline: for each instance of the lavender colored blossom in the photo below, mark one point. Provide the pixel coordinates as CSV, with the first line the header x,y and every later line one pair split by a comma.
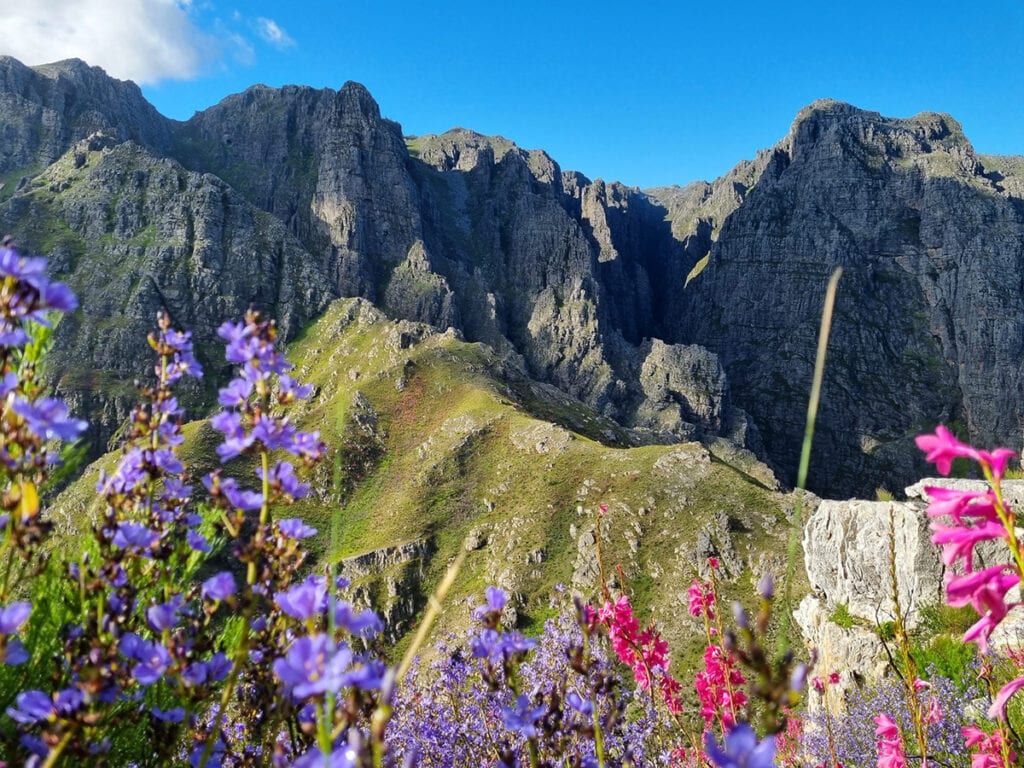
x,y
31,707
282,476
134,536
741,749
219,587
48,418
13,616
523,717
165,615
197,541
313,666
294,528
14,653
364,624
305,600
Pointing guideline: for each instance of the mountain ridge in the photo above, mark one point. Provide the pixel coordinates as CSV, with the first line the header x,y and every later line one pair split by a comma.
x,y
593,286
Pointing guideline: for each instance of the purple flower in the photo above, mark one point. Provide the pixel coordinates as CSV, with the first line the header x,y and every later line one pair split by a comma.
x,y
313,666
165,615
175,715
306,445
273,432
243,499
235,393
31,707
581,705
197,541
305,600
152,658
13,616
14,653
68,701
291,390
742,749
195,674
218,667
219,587
282,475
365,624
294,528
523,718
134,536
48,418
342,757
21,267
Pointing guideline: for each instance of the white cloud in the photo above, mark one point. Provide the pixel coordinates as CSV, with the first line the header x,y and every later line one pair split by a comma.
x,y
141,40
269,30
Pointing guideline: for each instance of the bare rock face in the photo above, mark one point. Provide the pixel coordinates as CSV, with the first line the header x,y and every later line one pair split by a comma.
x,y
849,556
46,109
922,332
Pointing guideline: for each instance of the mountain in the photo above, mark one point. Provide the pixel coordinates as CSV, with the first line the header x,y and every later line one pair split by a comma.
x,y
682,313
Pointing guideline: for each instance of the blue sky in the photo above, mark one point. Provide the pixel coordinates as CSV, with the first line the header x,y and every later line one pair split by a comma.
x,y
648,93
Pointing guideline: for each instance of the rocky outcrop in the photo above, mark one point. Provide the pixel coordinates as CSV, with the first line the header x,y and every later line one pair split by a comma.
x,y
47,109
853,548
133,233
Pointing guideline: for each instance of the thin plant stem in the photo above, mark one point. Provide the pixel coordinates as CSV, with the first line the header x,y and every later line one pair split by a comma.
x,y
805,451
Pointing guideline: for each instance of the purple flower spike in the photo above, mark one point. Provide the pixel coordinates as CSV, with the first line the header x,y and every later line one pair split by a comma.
x,y
13,616
742,749
219,587
294,528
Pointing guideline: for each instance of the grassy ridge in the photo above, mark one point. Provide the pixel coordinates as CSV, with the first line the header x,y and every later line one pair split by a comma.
x,y
441,447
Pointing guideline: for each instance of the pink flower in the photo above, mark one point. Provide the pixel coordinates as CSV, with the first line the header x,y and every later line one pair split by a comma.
x,y
833,678
942,447
957,541
890,743
990,747
701,599
998,708
934,711
954,503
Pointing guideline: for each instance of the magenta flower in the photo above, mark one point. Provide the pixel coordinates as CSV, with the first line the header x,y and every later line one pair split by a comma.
x,y
998,708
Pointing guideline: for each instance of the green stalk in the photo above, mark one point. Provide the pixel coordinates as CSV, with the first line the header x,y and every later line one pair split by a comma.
x,y
805,453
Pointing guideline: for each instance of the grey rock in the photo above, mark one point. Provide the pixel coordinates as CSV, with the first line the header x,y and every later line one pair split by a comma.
x,y
847,548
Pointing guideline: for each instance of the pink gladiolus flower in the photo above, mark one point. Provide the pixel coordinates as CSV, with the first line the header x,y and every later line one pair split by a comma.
x,y
701,599
890,743
957,541
942,447
953,503
934,711
998,708
990,747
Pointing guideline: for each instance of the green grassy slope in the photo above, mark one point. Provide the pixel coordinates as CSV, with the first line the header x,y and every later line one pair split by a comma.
x,y
439,447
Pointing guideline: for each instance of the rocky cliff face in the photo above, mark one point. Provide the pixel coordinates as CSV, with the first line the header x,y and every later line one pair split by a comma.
x,y
288,197
930,319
